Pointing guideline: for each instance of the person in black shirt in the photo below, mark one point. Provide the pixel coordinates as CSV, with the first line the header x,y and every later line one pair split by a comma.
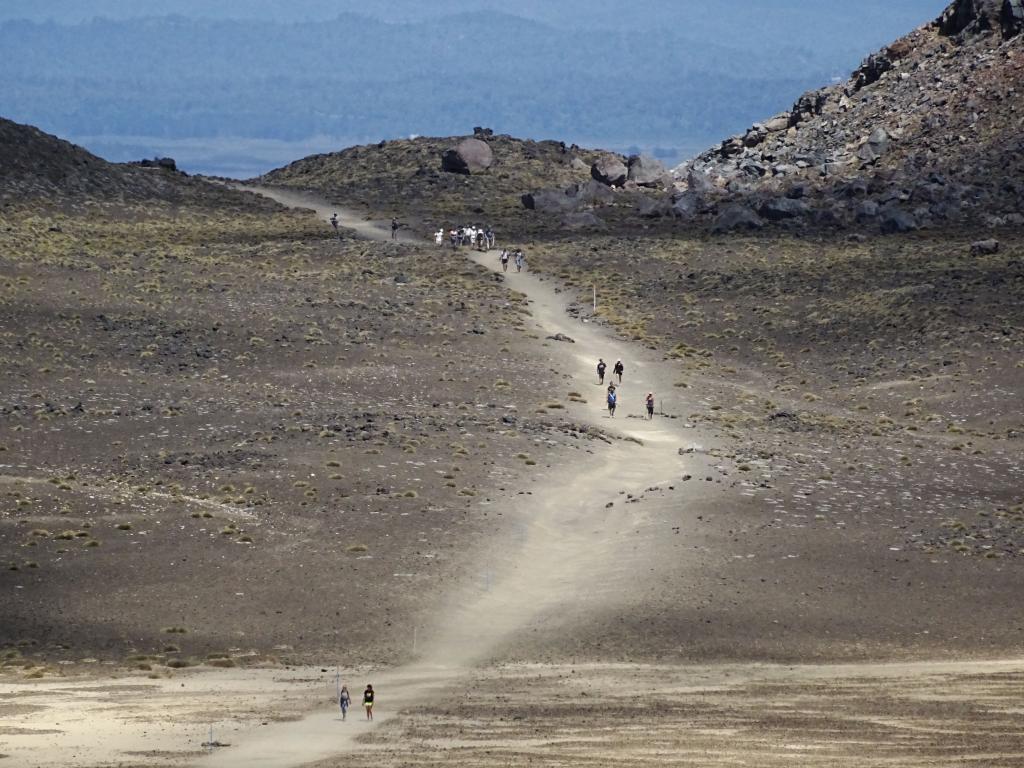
x,y
368,701
618,370
600,371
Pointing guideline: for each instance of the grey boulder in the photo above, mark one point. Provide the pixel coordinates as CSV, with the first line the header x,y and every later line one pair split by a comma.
x,y
610,170
468,157
734,217
646,171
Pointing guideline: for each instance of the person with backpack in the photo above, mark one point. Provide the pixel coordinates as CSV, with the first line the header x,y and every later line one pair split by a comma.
x,y
368,701
504,261
520,261
601,367
612,400
650,405
394,228
344,700
618,370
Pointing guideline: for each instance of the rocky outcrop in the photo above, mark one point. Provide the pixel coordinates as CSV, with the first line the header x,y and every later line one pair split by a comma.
x,y
925,133
468,157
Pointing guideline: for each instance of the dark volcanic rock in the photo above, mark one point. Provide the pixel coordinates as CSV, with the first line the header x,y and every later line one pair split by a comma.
x,y
470,156
734,217
781,208
984,247
895,220
549,201
610,170
687,206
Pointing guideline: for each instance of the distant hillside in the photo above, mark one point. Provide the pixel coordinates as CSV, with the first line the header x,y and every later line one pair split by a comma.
x,y
38,167
928,131
404,177
669,76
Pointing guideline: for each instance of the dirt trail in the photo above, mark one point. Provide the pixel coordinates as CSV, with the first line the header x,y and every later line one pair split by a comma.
x,y
369,229
564,532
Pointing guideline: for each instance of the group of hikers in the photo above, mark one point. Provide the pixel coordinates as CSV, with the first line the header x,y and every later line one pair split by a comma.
x,y
481,238
345,700
612,397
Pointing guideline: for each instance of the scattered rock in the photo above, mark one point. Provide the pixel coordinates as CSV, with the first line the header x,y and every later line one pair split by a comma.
x,y
562,337
985,247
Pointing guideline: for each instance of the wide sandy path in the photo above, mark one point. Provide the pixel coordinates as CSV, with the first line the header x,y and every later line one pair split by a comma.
x,y
565,529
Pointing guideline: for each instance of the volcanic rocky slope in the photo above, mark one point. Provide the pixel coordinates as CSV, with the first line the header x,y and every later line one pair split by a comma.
x,y
927,132
36,167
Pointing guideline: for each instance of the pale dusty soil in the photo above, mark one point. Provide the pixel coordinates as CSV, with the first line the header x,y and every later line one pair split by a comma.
x,y
611,555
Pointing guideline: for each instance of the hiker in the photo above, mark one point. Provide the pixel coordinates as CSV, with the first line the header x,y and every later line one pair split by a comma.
x,y
489,234
368,701
344,700
650,405
439,237
520,261
334,223
600,370
618,370
480,240
394,228
504,261
612,398
453,235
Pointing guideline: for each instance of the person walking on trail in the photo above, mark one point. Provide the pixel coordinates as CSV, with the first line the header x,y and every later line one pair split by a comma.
x,y
618,370
394,228
344,700
520,261
612,400
601,367
368,701
504,261
439,238
334,221
650,405
489,235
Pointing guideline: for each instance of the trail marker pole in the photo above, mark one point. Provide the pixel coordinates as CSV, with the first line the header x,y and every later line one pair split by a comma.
x,y
595,298
414,628
337,682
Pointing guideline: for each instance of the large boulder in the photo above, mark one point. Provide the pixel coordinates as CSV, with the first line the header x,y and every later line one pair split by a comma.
x,y
591,193
610,170
468,157
734,217
646,171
